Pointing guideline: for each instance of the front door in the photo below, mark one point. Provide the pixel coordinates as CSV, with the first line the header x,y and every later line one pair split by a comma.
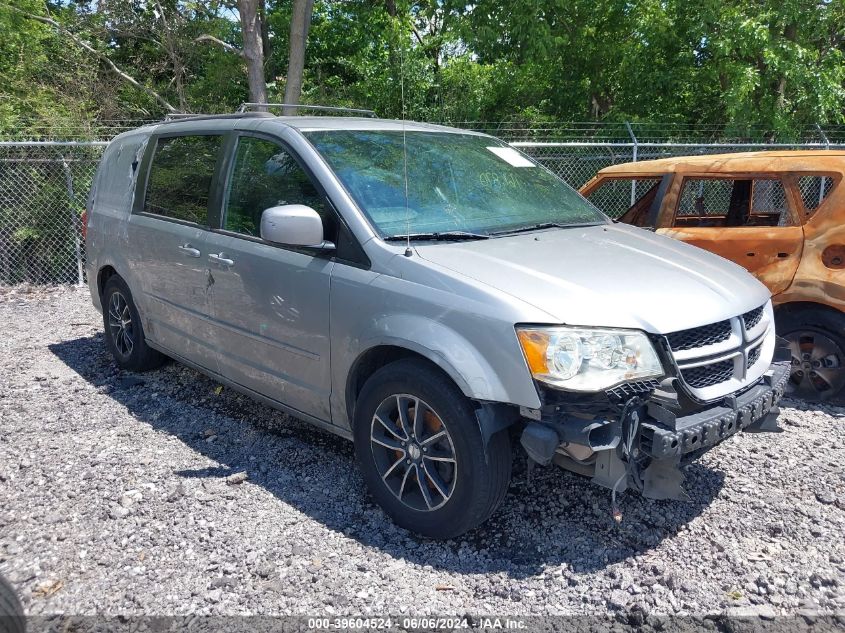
x,y
751,221
270,303
166,242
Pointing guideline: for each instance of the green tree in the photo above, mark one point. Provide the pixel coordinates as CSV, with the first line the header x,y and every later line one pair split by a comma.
x,y
747,62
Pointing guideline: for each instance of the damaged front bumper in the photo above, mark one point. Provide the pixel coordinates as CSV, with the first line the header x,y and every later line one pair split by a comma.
x,y
666,435
651,434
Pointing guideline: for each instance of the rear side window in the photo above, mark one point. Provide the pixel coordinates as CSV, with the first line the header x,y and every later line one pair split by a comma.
x,y
113,186
181,175
814,190
768,203
730,202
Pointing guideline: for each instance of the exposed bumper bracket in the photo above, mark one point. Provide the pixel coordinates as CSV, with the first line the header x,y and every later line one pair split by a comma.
x,y
689,435
662,480
767,424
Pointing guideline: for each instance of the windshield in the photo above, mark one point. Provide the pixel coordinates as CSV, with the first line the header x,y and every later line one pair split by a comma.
x,y
457,183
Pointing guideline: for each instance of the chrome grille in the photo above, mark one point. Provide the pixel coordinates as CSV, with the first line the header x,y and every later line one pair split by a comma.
x,y
700,336
708,375
752,317
716,359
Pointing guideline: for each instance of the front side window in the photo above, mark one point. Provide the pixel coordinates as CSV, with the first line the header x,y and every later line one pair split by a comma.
x,y
181,175
441,182
732,202
265,175
621,197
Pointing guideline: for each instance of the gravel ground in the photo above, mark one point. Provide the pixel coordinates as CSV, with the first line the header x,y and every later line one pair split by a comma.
x,y
163,494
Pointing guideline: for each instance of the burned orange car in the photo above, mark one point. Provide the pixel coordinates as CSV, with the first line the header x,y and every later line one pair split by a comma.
x,y
779,214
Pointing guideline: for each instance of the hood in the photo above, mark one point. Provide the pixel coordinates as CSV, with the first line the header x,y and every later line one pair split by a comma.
x,y
611,275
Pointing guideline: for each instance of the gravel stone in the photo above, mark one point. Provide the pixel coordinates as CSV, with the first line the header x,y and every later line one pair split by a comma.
x,y
237,478
826,497
116,499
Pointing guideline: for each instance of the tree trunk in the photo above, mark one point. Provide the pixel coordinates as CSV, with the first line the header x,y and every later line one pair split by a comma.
x,y
265,36
253,51
171,45
790,33
299,23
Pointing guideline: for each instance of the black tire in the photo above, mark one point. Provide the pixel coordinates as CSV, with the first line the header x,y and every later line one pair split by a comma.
x,y
817,340
476,482
11,613
134,355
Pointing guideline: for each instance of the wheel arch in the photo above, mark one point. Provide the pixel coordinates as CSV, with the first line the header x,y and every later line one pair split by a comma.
x,y
491,417
382,354
793,307
105,273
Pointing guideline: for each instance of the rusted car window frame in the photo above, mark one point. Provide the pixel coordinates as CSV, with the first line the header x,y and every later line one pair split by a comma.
x,y
808,214
671,204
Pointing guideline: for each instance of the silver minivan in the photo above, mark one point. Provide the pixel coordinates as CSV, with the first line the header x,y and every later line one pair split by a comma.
x,y
432,294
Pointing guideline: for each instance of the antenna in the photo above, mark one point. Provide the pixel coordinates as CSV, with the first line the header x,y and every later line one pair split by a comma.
x,y
408,251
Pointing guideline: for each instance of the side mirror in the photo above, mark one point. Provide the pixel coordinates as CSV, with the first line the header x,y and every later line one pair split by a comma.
x,y
293,225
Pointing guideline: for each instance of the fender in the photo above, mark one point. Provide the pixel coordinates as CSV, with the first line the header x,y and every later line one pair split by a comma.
x,y
447,349
453,353
491,416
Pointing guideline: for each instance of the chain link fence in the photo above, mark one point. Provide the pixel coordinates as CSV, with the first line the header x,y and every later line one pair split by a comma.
x,y
44,184
43,188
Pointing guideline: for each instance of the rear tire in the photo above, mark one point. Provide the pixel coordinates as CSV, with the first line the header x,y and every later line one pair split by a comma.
x,y
419,447
124,331
817,341
11,612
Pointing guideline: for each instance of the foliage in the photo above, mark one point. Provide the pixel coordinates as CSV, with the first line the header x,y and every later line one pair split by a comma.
x,y
775,64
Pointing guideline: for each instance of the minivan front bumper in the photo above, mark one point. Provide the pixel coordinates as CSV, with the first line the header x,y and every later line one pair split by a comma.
x,y
643,438
666,435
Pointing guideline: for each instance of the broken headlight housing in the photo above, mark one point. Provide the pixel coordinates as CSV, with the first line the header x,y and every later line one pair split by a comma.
x,y
585,359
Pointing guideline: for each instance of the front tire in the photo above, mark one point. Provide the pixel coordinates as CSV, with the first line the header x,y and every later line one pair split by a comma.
x,y
817,343
123,330
420,450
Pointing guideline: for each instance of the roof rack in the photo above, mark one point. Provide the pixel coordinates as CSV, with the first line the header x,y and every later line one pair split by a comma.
x,y
173,117
246,107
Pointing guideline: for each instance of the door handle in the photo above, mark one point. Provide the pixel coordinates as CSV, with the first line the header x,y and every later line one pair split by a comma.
x,y
189,250
221,258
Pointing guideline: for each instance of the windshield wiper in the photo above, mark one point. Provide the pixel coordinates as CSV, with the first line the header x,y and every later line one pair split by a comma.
x,y
544,225
440,236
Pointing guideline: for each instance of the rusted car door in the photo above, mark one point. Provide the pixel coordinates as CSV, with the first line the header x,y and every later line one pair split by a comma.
x,y
751,220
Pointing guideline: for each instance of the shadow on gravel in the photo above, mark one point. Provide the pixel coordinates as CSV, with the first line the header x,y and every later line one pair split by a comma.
x,y
556,517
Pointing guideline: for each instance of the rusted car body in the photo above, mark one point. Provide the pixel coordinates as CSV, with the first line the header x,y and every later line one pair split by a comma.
x,y
780,214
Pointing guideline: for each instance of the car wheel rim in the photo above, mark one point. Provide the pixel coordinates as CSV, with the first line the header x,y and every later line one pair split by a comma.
x,y
120,324
818,367
413,452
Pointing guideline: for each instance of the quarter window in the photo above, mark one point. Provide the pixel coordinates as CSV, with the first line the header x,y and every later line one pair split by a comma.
x,y
265,175
181,176
814,190
729,202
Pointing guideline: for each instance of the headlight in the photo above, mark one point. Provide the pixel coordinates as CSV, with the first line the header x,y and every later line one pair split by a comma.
x,y
581,359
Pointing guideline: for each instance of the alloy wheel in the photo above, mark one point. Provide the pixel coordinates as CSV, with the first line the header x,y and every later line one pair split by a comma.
x,y
120,324
413,452
818,365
